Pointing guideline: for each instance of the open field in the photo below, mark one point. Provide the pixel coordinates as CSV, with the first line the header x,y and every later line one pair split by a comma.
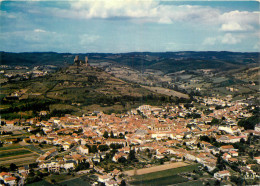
x,y
34,149
77,181
10,147
16,157
14,153
155,169
17,154
167,92
20,160
60,177
10,150
167,172
197,183
40,183
174,179
164,177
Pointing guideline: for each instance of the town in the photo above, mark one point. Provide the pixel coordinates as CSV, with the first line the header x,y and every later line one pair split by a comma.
x,y
136,93
215,138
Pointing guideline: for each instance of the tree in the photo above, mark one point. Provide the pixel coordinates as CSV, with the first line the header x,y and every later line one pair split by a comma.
x,y
13,167
122,183
249,123
238,180
3,169
242,141
215,121
255,168
220,163
112,134
217,183
131,155
121,136
205,138
82,166
94,149
105,135
103,147
122,159
53,181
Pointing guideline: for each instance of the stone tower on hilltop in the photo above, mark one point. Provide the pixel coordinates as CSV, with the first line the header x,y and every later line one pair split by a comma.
x,y
86,61
76,60
79,62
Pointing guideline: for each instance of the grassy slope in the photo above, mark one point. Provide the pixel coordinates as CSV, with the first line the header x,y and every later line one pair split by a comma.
x,y
14,153
164,177
77,89
166,173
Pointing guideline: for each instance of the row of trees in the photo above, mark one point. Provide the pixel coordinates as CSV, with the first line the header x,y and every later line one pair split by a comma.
x,y
111,135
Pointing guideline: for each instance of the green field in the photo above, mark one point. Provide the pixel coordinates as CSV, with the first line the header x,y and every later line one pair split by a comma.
x,y
166,173
77,181
59,178
14,153
40,183
197,183
174,179
10,147
35,149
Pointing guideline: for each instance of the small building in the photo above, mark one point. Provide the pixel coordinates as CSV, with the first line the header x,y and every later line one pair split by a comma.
x,y
257,159
227,148
103,178
10,181
24,169
222,175
83,149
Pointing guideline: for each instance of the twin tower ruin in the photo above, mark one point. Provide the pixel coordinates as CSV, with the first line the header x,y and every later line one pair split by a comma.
x,y
79,62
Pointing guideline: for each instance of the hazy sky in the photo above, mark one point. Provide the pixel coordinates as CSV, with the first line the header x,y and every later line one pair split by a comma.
x,y
129,25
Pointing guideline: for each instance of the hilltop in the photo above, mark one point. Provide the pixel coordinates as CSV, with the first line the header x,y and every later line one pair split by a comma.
x,y
75,89
167,62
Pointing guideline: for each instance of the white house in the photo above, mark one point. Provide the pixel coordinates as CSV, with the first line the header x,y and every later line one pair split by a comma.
x,y
222,175
103,178
83,149
69,165
257,159
10,181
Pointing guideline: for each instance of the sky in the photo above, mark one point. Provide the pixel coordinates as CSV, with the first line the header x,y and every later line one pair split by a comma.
x,y
116,26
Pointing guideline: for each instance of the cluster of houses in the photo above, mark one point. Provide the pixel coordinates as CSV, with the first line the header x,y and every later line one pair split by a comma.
x,y
165,131
11,73
8,178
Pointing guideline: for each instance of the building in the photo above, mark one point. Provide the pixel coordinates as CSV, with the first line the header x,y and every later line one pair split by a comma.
x,y
227,148
86,61
83,149
222,175
10,181
257,127
257,159
79,62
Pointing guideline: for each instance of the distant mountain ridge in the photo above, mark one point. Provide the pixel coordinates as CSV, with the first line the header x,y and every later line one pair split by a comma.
x,y
165,61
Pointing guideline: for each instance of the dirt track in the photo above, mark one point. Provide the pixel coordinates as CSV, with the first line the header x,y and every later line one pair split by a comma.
x,y
155,169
